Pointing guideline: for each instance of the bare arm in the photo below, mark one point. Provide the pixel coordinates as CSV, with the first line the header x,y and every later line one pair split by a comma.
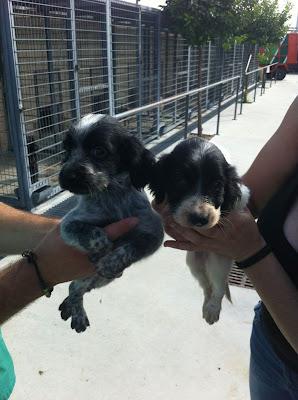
x,y
22,230
275,162
238,238
57,262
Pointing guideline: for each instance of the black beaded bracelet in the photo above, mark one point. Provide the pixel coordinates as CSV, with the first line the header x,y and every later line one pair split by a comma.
x,y
259,255
32,259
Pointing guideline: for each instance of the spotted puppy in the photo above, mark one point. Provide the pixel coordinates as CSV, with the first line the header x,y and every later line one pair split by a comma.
x,y
201,187
107,169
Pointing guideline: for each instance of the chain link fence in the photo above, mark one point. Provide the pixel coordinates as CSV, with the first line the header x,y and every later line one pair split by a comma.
x,y
62,59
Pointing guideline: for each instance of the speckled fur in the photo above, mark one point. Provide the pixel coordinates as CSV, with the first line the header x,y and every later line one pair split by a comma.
x,y
118,199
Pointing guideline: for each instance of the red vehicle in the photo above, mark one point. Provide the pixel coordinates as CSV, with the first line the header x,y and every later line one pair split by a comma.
x,y
286,56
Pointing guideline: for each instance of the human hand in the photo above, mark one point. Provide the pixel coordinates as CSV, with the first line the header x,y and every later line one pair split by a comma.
x,y
59,262
167,220
236,236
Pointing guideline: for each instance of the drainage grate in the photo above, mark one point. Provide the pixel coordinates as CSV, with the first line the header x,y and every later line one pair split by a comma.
x,y
238,278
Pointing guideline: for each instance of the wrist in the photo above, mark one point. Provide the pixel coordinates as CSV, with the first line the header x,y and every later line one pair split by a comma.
x,y
254,258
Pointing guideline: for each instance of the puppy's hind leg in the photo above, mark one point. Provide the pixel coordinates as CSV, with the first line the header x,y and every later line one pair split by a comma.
x,y
217,270
196,262
73,307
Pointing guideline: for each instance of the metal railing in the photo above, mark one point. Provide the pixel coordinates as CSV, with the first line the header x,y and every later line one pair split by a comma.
x,y
186,95
65,59
246,87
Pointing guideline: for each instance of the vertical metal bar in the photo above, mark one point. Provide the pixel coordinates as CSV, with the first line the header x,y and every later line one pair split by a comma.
x,y
110,58
264,79
186,117
208,73
236,100
140,85
176,76
244,84
51,74
256,85
187,97
219,108
234,65
158,70
262,84
14,103
75,59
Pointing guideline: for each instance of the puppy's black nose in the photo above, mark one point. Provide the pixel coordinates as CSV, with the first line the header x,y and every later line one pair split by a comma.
x,y
198,220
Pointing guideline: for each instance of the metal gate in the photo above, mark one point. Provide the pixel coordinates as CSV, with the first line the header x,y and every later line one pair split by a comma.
x,y
63,59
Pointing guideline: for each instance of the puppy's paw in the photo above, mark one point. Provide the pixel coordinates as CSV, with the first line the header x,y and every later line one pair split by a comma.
x,y
65,309
79,321
211,311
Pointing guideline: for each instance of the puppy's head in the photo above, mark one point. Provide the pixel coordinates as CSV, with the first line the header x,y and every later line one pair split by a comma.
x,y
98,149
197,183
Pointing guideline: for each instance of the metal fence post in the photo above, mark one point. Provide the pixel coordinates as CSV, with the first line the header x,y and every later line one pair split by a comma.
x,y
236,100
139,60
234,62
186,117
14,104
158,71
208,72
75,60
219,108
264,80
256,85
187,97
110,57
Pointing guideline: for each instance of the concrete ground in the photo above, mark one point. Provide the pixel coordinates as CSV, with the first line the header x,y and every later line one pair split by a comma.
x,y
147,340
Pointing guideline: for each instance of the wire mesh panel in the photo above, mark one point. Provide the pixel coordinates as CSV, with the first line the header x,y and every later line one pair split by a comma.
x,y
45,79
74,57
8,171
91,47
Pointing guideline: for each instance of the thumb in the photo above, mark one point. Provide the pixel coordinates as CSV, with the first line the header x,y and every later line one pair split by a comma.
x,y
119,228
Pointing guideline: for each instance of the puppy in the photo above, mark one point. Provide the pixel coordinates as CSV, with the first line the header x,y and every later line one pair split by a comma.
x,y
200,187
106,168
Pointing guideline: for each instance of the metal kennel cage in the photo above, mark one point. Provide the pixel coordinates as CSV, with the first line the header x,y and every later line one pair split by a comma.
x,y
62,59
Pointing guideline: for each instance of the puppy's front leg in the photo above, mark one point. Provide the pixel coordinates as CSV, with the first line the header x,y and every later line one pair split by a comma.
x,y
86,237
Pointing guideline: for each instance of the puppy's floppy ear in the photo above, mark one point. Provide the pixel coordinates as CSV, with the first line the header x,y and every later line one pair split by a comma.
x,y
158,181
232,188
137,160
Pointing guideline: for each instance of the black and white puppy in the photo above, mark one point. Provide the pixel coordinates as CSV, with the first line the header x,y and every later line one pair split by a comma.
x,y
107,169
201,187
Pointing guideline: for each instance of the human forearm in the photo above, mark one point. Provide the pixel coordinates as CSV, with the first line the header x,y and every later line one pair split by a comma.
x,y
275,162
19,286
278,294
21,230
57,263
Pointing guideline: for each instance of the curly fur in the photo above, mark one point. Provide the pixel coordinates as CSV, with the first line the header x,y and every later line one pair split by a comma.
x,y
106,168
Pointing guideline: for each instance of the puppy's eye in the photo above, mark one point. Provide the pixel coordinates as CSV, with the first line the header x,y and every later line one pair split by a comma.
x,y
99,152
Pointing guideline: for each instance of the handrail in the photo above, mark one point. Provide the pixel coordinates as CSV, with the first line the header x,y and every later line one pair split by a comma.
x,y
260,68
150,106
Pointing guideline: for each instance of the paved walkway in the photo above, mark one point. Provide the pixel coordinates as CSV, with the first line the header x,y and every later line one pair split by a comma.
x,y
147,340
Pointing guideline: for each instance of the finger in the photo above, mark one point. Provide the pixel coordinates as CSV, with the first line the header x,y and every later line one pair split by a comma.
x,y
119,228
173,233
175,244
